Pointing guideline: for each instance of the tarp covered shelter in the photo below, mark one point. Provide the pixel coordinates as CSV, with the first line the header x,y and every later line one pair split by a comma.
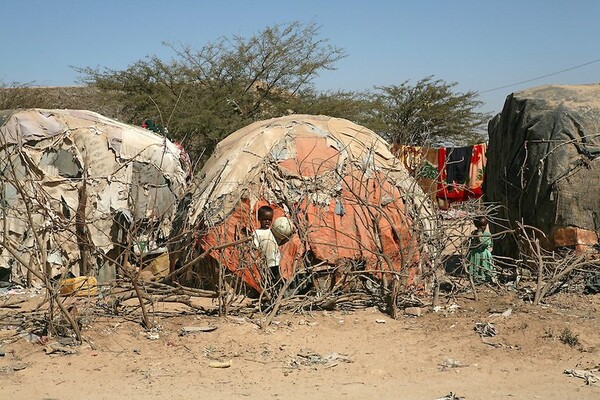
x,y
544,164
73,178
349,198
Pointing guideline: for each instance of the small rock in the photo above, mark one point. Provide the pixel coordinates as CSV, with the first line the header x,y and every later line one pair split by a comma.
x,y
220,364
18,367
67,341
56,348
414,311
152,335
453,307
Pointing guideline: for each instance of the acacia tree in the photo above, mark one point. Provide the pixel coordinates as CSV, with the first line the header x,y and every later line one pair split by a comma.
x,y
428,112
203,95
352,105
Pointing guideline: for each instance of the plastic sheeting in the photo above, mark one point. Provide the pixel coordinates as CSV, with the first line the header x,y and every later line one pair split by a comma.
x,y
64,168
349,198
544,163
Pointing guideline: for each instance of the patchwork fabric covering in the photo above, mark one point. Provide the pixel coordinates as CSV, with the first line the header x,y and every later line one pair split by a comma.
x,y
349,198
72,181
544,164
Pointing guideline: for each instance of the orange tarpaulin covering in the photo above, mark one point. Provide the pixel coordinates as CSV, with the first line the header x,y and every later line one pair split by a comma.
x,y
348,197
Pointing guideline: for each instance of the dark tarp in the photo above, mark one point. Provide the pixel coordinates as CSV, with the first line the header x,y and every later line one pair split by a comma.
x,y
544,161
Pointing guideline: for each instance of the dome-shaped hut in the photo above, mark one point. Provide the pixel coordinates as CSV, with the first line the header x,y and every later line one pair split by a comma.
x,y
352,203
77,188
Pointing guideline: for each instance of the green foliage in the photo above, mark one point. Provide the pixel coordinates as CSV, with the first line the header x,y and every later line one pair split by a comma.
x,y
203,95
24,95
353,106
15,95
427,112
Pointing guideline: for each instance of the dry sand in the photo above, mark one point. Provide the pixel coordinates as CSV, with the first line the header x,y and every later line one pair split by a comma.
x,y
323,355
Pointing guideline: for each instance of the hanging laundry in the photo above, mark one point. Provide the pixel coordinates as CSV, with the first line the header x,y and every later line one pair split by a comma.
x,y
452,169
458,160
461,172
477,170
446,174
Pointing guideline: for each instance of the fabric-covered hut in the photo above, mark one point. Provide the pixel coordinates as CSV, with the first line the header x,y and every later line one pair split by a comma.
x,y
351,202
544,165
76,186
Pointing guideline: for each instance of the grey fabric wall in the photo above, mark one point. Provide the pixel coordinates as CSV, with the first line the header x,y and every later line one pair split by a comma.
x,y
543,160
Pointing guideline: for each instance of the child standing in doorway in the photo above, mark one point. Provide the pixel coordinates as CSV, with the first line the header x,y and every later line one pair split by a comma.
x,y
265,241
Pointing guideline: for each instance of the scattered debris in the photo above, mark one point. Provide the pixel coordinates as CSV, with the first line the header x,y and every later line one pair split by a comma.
x,y
504,314
79,286
309,323
380,321
485,330
186,330
33,338
67,341
451,396
220,364
453,307
153,334
446,310
310,358
500,344
14,367
451,363
57,348
414,311
586,374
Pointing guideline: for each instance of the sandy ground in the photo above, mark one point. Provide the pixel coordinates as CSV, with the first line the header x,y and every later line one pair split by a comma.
x,y
322,355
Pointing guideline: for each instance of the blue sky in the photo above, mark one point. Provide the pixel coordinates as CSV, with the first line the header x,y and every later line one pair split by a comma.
x,y
480,44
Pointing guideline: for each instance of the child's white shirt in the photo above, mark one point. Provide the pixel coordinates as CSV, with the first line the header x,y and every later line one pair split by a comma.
x,y
264,240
